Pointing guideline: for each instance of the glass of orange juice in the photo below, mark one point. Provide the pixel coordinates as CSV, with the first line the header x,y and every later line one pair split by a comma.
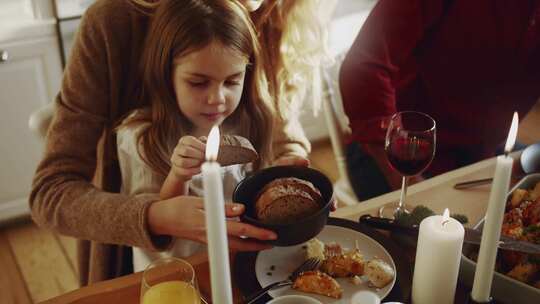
x,y
169,281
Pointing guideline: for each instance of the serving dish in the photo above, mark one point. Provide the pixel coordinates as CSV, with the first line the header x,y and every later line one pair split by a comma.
x,y
504,288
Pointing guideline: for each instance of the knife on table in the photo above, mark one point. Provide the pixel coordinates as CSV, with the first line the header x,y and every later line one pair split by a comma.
x,y
472,236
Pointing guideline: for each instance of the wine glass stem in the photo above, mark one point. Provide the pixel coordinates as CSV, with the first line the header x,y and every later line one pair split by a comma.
x,y
403,193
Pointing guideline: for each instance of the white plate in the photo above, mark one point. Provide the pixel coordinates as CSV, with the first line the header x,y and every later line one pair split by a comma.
x,y
286,259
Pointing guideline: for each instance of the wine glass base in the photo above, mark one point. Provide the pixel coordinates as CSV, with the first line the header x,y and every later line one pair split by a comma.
x,y
390,210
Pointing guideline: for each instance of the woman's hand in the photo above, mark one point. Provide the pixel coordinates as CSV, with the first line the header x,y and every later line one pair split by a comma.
x,y
187,157
291,160
183,217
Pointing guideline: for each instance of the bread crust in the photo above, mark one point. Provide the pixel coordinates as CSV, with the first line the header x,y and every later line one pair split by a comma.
x,y
287,199
235,149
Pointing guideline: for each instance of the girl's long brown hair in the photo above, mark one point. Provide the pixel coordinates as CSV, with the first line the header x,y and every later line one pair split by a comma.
x,y
178,28
294,36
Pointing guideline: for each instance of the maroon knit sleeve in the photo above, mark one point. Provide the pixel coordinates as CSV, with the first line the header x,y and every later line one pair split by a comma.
x,y
371,70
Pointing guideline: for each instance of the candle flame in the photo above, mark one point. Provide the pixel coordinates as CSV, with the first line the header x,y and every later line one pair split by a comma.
x,y
212,144
446,216
512,134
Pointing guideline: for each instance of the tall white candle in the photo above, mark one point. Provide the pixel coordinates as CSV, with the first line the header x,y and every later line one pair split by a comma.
x,y
216,230
491,234
438,254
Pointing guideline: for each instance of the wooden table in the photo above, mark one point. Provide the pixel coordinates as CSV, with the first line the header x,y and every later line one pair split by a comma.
x,y
437,193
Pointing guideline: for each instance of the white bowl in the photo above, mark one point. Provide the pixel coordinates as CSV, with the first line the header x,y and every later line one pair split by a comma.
x,y
365,297
294,299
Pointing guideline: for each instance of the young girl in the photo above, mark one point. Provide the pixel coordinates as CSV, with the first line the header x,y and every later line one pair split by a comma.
x,y
75,188
203,69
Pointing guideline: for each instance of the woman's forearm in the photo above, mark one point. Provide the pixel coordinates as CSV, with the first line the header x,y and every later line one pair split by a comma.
x,y
77,208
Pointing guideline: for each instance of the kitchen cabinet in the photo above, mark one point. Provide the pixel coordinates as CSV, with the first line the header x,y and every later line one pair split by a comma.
x,y
30,75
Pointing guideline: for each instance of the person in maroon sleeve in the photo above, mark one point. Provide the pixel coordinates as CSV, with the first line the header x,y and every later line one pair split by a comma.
x,y
468,64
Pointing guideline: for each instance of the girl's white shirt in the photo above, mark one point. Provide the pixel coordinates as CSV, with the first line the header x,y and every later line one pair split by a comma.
x,y
138,177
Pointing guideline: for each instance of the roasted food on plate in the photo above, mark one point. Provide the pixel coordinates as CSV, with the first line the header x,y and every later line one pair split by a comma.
x,y
341,263
319,283
285,200
315,249
379,273
523,272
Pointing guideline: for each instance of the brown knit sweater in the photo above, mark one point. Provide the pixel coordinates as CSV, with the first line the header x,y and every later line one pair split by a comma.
x,y
75,189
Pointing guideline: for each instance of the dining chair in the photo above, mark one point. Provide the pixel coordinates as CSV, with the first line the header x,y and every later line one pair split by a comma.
x,y
40,120
338,127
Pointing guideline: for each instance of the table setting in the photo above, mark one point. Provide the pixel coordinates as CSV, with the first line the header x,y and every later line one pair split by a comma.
x,y
440,231
345,232
355,254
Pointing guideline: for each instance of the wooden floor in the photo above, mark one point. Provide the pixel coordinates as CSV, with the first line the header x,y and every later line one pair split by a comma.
x,y
36,264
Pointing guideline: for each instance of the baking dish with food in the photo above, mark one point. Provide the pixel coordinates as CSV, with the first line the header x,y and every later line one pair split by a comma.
x,y
505,288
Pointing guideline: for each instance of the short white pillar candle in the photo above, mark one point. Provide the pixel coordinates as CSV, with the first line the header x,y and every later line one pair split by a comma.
x,y
438,254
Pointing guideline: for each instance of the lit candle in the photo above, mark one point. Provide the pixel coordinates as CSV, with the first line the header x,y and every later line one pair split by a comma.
x,y
438,254
216,230
494,217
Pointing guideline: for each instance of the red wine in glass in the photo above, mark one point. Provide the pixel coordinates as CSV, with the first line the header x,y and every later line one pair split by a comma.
x,y
410,156
410,148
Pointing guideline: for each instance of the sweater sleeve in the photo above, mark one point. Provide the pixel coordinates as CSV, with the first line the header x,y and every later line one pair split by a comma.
x,y
289,138
369,74
62,197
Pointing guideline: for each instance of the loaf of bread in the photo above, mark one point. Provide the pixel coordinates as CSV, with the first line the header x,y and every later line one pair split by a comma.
x,y
235,149
285,200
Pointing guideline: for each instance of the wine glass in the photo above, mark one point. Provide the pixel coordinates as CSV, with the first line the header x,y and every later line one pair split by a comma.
x,y
169,281
410,148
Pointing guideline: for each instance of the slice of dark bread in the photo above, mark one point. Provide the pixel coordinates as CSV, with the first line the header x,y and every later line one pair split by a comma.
x,y
235,149
293,182
285,200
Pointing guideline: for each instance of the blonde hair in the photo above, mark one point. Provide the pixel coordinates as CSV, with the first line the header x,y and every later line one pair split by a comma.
x,y
293,34
184,27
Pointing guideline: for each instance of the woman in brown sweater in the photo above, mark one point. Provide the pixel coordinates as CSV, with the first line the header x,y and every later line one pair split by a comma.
x,y
75,189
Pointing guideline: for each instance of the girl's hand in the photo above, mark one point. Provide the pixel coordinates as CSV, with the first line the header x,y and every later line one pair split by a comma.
x,y
183,217
291,160
187,157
